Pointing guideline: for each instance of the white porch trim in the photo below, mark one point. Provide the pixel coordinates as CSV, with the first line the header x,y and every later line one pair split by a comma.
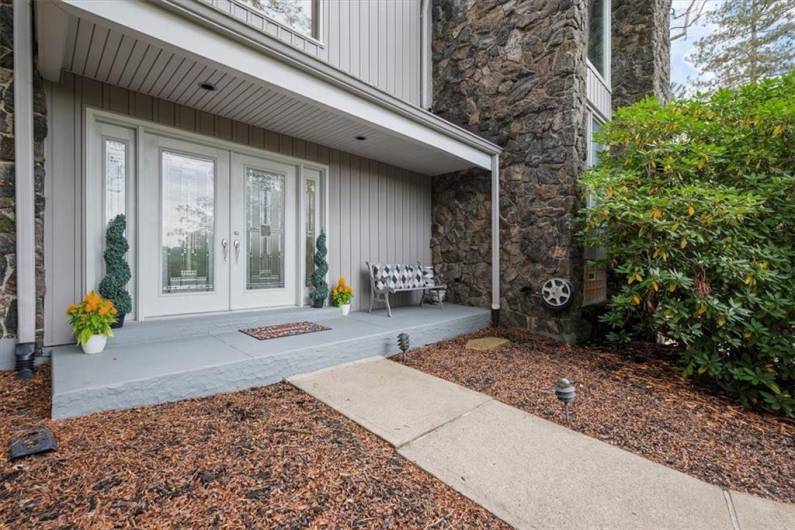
x,y
180,34
24,172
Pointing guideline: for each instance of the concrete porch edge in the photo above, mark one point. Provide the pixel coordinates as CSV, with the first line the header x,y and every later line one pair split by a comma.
x,y
131,374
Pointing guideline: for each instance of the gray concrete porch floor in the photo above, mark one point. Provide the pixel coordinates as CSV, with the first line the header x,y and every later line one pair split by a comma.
x,y
172,359
530,472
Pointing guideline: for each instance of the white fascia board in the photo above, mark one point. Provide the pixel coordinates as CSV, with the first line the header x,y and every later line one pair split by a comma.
x,y
52,26
182,35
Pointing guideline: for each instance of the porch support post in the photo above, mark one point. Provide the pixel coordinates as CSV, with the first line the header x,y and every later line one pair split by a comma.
x,y
24,175
495,239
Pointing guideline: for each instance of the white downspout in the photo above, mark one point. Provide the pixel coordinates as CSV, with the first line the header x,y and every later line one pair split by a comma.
x,y
24,173
426,86
495,237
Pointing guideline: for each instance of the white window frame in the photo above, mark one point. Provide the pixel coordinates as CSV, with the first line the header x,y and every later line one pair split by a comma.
x,y
94,210
590,252
592,116
308,173
93,193
607,48
317,27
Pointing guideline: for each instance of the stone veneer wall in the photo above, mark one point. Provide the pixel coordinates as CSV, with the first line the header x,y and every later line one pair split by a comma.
x,y
8,315
514,73
641,33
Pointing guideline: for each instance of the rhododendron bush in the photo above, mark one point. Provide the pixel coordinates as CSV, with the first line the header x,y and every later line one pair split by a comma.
x,y
694,203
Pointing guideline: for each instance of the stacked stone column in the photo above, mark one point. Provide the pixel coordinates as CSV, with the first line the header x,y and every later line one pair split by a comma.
x,y
514,73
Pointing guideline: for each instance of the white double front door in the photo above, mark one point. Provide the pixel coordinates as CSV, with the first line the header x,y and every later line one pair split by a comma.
x,y
217,229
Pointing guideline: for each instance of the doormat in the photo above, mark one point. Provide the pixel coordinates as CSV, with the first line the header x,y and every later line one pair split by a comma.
x,y
283,330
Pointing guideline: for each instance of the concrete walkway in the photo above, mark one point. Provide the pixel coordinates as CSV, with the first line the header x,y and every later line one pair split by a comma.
x,y
530,472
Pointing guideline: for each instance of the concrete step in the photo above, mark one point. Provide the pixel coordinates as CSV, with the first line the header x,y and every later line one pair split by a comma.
x,y
160,366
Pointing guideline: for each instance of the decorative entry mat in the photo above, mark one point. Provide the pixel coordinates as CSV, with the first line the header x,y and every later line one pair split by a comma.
x,y
283,330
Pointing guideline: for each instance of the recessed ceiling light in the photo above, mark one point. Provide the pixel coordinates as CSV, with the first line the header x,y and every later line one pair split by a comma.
x,y
207,86
361,138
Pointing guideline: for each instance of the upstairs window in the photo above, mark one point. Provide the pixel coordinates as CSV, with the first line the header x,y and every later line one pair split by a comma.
x,y
299,15
599,35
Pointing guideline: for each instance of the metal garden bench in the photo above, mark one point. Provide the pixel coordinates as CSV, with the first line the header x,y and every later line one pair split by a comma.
x,y
391,279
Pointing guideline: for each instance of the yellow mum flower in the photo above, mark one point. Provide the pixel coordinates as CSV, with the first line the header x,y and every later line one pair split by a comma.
x,y
71,309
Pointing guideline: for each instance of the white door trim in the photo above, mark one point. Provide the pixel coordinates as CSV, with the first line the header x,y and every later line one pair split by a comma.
x,y
94,191
94,114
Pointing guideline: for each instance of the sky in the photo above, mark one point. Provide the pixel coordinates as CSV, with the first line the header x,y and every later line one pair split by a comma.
x,y
681,70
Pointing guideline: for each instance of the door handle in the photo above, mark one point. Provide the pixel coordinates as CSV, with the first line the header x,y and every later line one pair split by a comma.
x,y
237,249
225,245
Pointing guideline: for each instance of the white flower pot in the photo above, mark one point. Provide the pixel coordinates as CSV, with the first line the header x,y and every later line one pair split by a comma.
x,y
346,308
95,344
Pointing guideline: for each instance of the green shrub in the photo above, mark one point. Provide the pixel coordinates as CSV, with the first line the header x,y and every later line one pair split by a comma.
x,y
696,209
319,292
117,272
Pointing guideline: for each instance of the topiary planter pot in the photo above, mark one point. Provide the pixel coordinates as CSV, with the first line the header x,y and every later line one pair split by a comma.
x,y
119,321
318,304
95,344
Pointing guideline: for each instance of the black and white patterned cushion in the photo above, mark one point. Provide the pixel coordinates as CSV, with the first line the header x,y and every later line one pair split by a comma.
x,y
394,277
381,276
392,274
428,277
404,276
407,276
416,277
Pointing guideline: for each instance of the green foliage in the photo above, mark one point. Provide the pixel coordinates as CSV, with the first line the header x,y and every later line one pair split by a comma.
x,y
114,285
753,39
342,293
696,209
92,316
319,285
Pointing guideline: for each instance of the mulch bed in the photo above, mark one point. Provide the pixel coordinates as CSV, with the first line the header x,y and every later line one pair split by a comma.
x,y
270,457
283,330
635,399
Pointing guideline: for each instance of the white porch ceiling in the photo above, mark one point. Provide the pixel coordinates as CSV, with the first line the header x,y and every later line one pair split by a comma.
x,y
122,57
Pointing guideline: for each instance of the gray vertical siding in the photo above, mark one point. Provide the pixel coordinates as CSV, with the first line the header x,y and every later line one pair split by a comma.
x,y
376,212
376,41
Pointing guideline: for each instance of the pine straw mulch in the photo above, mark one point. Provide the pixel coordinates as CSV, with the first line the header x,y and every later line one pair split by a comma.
x,y
635,399
270,457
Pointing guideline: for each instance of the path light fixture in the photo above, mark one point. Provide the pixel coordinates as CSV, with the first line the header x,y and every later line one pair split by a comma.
x,y
566,393
403,344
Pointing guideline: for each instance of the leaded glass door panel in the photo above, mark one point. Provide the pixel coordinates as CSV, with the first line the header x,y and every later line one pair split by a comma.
x,y
184,227
263,241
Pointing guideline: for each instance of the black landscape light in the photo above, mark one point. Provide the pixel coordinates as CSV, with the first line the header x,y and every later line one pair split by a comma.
x,y
566,393
403,344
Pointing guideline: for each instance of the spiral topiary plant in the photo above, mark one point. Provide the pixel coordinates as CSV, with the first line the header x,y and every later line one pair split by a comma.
x,y
320,287
117,273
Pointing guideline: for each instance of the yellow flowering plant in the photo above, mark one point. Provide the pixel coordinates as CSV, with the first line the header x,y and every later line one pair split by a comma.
x,y
93,316
342,293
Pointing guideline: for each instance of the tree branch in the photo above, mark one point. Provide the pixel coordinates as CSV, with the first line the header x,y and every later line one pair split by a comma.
x,y
681,21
